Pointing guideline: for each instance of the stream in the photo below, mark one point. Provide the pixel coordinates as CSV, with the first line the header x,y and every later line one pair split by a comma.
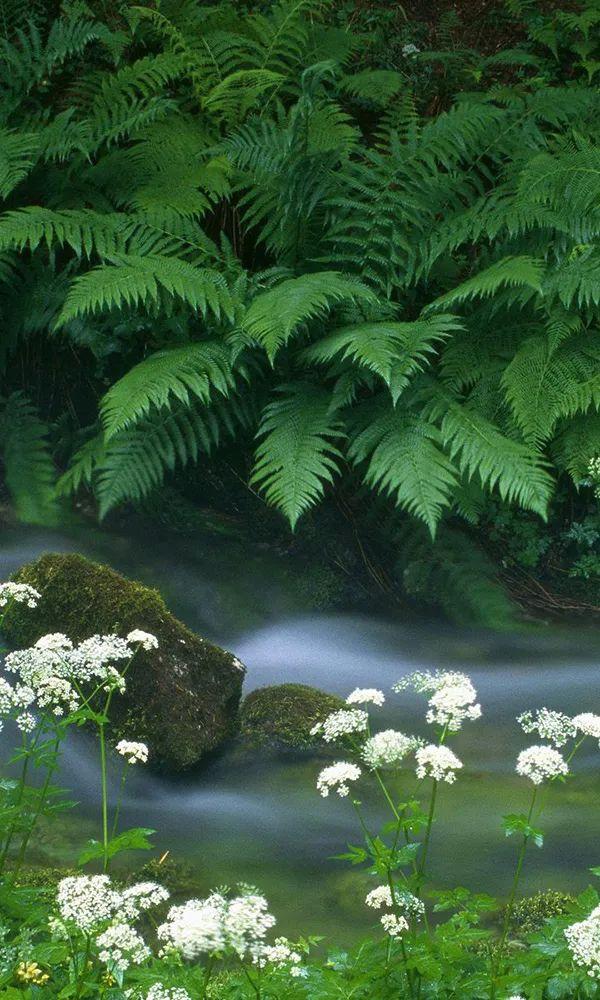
x,y
257,818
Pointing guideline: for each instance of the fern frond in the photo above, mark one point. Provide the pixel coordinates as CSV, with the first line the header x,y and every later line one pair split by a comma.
x,y
296,456
275,315
406,462
576,444
394,351
28,467
515,272
193,370
132,281
137,459
18,154
480,449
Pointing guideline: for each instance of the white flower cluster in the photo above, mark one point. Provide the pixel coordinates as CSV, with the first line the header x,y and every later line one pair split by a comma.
x,y
588,724
344,722
583,939
556,727
437,762
145,639
452,698
120,946
411,905
337,776
539,763
410,50
54,669
22,593
86,902
160,992
366,696
388,748
393,925
280,954
135,753
218,924
14,703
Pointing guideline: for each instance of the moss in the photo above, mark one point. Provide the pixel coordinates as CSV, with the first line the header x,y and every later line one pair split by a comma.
x,y
182,699
530,914
282,715
44,878
179,877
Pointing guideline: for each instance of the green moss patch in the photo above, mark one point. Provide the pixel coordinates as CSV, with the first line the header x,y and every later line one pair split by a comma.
x,y
182,699
282,715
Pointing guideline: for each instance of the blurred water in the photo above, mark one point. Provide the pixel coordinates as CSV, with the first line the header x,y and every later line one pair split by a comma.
x,y
258,817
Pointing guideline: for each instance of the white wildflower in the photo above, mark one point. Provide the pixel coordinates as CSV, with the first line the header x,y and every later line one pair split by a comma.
x,y
22,593
135,899
145,639
134,753
403,900
160,992
539,763
337,776
393,925
437,762
378,897
195,928
26,722
583,939
56,641
388,748
280,954
556,727
588,724
452,696
246,922
410,50
120,946
366,696
341,723
87,900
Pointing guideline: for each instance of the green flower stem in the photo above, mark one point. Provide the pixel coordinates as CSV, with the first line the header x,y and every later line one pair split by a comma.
x,y
426,841
124,774
511,901
40,805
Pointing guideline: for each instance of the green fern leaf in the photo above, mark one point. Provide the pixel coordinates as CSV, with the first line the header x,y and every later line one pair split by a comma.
x,y
28,467
275,315
514,272
296,456
394,351
132,281
196,369
480,449
406,462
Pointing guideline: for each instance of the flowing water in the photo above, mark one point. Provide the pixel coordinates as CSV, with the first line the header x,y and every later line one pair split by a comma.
x,y
257,817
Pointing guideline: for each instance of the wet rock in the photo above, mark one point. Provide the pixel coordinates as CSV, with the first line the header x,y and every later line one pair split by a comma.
x,y
182,699
282,715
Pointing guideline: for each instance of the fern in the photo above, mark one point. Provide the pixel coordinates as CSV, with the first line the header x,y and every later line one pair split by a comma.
x,y
480,449
275,315
132,281
194,370
296,457
394,351
406,461
28,467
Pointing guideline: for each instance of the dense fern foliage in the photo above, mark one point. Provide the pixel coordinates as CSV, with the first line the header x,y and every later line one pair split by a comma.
x,y
220,226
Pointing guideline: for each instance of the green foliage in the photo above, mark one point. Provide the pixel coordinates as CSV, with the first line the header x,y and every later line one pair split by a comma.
x,y
28,467
252,226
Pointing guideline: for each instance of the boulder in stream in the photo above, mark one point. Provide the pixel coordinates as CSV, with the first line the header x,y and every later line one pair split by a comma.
x,y
182,699
282,715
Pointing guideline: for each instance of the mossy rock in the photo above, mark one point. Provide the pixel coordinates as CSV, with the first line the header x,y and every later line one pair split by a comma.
x,y
282,715
530,914
182,699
